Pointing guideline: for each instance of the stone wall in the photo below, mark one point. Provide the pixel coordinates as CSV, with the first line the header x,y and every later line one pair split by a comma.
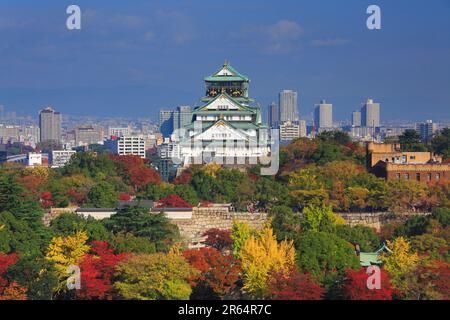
x,y
203,219
376,219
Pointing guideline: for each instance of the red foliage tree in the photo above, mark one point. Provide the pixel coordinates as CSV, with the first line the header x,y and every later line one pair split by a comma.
x,y
123,196
75,196
184,178
219,272
218,238
9,290
173,201
46,199
97,269
435,276
295,286
142,176
355,287
31,183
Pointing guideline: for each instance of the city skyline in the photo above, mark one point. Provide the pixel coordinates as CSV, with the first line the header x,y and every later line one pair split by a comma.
x,y
133,60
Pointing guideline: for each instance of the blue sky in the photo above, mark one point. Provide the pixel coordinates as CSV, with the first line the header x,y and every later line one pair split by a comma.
x,y
132,58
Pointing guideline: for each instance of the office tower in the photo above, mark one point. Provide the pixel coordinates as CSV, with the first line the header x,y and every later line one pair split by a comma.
x,y
288,106
323,115
50,125
370,114
166,122
272,115
356,118
426,130
182,117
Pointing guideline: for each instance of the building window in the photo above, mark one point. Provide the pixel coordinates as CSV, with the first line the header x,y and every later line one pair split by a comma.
x,y
412,158
397,175
418,176
428,176
438,176
406,176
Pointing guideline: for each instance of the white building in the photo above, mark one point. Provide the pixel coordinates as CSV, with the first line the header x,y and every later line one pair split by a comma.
x,y
119,132
59,158
292,130
323,116
370,114
127,145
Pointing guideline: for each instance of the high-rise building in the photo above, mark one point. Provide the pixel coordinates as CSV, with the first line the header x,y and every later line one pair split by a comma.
x,y
166,122
50,125
426,130
323,115
292,130
288,106
356,118
370,114
182,117
272,115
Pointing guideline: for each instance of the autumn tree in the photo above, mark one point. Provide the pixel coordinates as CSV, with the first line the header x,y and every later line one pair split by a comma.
x,y
219,239
218,272
240,232
66,252
156,276
261,255
355,286
295,286
97,269
173,201
400,262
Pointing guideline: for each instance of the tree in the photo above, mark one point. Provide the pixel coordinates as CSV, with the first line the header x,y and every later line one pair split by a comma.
x,y
323,254
285,223
218,272
187,192
97,269
66,252
240,232
410,141
318,218
127,242
14,292
356,288
68,223
156,276
219,239
173,201
441,143
9,290
364,236
5,262
141,223
261,255
102,195
295,286
400,262
142,176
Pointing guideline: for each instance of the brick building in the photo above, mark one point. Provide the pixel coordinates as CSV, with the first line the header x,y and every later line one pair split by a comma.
x,y
389,162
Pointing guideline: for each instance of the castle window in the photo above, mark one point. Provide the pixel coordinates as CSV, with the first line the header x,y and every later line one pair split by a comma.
x,y
428,176
418,176
397,175
438,176
406,176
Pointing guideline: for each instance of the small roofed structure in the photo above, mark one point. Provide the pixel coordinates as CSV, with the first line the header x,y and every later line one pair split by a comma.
x,y
367,259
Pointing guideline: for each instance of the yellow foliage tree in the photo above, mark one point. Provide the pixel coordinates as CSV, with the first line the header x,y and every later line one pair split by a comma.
x,y
36,171
400,262
65,252
261,255
212,169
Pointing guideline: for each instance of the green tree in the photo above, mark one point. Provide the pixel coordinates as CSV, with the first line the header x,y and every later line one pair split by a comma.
x,y
127,242
362,235
67,224
102,195
318,218
323,254
410,141
156,276
141,223
441,143
285,223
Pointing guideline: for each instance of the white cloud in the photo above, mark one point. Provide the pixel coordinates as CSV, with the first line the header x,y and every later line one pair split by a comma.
x,y
329,42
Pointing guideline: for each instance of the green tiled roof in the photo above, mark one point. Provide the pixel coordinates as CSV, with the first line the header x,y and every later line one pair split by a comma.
x,y
235,77
243,107
369,258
